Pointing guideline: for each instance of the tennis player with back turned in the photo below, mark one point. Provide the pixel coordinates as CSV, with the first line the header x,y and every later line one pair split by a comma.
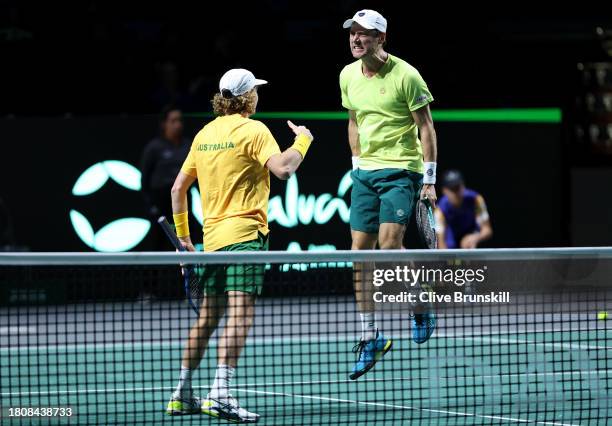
x,y
231,158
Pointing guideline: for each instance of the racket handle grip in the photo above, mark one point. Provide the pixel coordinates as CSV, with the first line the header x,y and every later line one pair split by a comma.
x,y
163,222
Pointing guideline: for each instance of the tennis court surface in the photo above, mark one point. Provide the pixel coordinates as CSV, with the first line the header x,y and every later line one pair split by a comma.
x,y
103,337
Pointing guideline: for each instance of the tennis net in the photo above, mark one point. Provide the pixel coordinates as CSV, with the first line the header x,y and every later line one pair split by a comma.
x,y
521,336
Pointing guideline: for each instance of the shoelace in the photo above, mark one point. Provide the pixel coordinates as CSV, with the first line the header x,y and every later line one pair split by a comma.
x,y
233,406
233,401
418,318
230,405
359,347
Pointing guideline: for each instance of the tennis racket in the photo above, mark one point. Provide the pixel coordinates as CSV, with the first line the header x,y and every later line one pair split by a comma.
x,y
193,288
426,224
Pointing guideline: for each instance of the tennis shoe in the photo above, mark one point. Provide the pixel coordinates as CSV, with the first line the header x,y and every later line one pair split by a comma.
x,y
181,406
228,409
423,326
370,352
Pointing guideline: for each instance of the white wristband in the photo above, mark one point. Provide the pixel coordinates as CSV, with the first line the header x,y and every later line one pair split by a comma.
x,y
429,175
355,161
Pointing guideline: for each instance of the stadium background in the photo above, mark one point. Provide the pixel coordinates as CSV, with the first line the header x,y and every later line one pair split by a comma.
x,y
82,84
523,107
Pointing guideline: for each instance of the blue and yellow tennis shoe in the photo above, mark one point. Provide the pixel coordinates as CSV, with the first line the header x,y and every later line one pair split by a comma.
x,y
370,352
423,326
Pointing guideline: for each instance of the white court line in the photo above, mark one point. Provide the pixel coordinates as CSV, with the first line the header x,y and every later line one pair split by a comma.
x,y
402,407
321,398
395,379
547,344
318,339
299,383
89,391
16,329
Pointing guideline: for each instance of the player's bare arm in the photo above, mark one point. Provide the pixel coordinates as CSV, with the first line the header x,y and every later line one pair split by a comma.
x,y
427,134
483,219
284,165
179,201
353,134
353,138
484,222
485,232
440,229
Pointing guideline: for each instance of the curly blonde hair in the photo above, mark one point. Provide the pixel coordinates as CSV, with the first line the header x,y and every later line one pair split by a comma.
x,y
234,105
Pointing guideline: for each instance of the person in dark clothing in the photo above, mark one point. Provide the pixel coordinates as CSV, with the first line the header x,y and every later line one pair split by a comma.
x,y
462,219
161,162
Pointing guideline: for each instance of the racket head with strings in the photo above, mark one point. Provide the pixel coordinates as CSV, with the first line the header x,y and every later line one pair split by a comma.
x,y
192,285
426,224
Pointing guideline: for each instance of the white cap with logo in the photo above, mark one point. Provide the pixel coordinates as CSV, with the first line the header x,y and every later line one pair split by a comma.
x,y
238,81
368,19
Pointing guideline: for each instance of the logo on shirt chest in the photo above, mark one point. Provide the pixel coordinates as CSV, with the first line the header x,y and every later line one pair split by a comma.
x,y
382,91
215,146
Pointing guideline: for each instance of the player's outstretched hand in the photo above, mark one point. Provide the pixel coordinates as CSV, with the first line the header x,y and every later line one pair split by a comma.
x,y
299,130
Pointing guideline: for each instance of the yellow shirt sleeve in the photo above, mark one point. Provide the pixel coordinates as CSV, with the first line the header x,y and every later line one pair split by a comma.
x,y
189,166
416,90
264,145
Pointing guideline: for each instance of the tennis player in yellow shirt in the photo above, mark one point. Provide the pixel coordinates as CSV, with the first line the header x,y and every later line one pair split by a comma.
x,y
393,141
231,158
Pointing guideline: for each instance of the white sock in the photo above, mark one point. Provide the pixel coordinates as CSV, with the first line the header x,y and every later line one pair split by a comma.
x,y
223,378
183,389
368,326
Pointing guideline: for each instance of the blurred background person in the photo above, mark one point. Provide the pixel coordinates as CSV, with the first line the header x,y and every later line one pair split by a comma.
x,y
161,161
462,219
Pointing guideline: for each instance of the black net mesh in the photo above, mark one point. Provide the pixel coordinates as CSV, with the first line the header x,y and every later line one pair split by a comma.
x,y
529,342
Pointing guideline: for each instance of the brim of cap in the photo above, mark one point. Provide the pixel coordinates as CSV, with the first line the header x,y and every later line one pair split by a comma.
x,y
349,22
259,82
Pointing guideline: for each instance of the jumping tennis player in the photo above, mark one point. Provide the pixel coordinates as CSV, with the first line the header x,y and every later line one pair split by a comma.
x,y
393,142
231,158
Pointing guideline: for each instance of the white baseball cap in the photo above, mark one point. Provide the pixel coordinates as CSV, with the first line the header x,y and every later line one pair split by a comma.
x,y
369,19
239,81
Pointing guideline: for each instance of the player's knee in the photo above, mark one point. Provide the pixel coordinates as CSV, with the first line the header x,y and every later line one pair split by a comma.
x,y
363,242
241,316
356,245
207,322
246,321
391,237
240,324
390,241
391,245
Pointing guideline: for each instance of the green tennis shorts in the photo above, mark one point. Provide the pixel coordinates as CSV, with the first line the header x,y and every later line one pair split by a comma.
x,y
247,278
383,196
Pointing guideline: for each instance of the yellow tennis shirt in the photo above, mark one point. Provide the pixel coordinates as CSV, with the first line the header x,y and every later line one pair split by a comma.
x,y
383,105
228,158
